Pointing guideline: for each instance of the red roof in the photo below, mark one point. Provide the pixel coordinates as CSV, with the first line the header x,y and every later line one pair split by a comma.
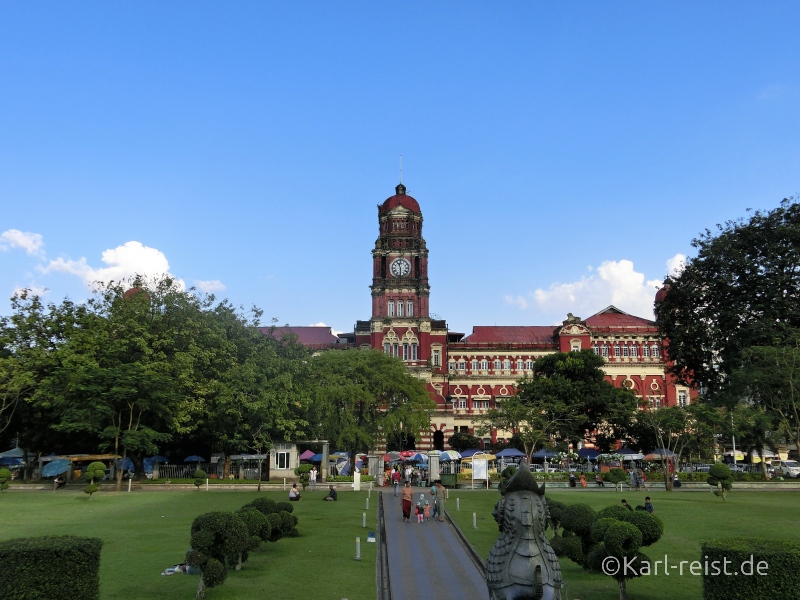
x,y
614,317
307,336
400,200
511,334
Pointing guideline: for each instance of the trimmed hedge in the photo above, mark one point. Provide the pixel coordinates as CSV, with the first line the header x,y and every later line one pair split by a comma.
x,y
41,568
782,558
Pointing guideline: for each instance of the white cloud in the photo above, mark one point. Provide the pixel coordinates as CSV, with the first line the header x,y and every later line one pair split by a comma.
x,y
123,262
214,285
676,264
321,324
33,289
30,242
613,282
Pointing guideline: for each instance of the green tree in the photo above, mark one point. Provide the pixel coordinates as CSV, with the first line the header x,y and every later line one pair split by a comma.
x,y
358,397
463,440
565,398
674,429
741,291
769,379
30,338
259,397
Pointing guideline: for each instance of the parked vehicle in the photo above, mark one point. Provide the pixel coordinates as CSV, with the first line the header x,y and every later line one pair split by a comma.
x,y
785,468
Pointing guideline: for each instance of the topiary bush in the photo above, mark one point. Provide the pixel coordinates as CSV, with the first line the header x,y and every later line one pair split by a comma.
x,y
95,470
284,507
720,477
200,477
615,476
5,475
554,510
256,521
777,577
63,566
90,489
265,505
615,532
276,522
218,540
303,473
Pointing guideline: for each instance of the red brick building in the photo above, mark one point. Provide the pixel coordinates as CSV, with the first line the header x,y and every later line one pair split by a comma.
x,y
467,375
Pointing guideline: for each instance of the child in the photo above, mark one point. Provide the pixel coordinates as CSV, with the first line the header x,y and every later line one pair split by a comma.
x,y
421,505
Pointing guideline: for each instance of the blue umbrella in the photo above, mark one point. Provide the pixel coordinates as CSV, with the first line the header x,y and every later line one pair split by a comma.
x,y
589,453
317,458
56,467
509,453
449,455
343,466
13,453
470,452
419,458
10,461
194,458
544,453
126,466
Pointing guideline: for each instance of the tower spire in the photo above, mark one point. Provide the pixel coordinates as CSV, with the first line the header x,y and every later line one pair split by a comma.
x,y
401,168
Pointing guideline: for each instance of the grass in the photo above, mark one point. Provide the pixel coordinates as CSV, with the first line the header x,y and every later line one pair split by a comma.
x,y
689,519
145,532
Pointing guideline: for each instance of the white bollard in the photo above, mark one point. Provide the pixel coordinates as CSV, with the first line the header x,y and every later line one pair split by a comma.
x,y
458,503
129,486
474,521
284,484
369,493
358,548
367,503
206,484
363,519
447,493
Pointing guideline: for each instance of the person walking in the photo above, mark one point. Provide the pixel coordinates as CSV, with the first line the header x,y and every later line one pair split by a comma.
x,y
312,478
396,480
441,499
407,496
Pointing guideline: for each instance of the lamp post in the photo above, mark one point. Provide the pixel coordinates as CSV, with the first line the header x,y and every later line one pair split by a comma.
x,y
733,439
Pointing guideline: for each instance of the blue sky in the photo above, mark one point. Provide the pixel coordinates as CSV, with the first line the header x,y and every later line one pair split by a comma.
x,y
564,154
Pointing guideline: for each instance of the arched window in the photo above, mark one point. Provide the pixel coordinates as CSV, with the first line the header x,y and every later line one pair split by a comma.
x,y
391,308
399,308
409,309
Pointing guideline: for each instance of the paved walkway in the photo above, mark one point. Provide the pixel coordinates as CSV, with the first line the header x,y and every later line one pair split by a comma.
x,y
427,560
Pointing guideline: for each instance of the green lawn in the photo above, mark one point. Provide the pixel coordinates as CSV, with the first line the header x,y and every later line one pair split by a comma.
x,y
145,532
689,518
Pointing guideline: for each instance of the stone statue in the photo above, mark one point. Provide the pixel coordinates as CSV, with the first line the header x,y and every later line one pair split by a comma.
x,y
522,564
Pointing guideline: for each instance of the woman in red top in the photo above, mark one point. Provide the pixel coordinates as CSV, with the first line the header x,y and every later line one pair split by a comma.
x,y
407,497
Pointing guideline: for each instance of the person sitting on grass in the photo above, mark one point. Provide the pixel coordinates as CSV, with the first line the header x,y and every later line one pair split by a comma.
x,y
294,493
648,506
331,494
626,505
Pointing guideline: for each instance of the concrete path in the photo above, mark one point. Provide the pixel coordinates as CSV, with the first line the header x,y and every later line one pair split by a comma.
x,y
427,560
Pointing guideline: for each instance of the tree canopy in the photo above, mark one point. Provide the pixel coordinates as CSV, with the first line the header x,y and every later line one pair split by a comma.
x,y
144,364
565,397
741,291
357,397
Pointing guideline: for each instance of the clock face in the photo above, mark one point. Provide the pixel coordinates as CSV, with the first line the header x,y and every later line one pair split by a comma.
x,y
400,267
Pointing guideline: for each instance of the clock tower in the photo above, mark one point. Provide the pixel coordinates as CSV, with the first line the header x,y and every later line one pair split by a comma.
x,y
400,261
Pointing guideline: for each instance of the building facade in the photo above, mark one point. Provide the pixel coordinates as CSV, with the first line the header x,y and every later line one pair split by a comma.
x,y
468,375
